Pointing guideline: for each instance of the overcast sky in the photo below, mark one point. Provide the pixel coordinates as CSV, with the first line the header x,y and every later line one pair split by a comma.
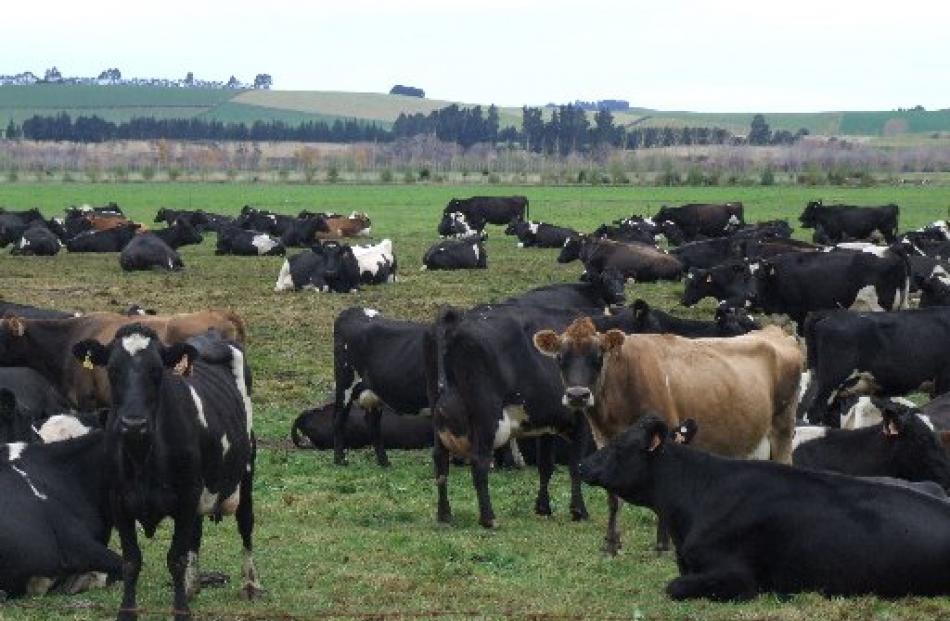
x,y
737,55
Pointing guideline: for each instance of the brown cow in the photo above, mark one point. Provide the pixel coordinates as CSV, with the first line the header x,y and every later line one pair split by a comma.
x,y
46,345
742,390
104,222
356,224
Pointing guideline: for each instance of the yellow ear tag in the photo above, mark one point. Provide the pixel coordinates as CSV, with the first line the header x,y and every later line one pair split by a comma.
x,y
87,363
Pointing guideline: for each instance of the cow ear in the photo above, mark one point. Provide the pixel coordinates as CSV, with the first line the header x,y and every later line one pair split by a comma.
x,y
180,357
612,339
15,325
547,342
92,353
893,424
655,433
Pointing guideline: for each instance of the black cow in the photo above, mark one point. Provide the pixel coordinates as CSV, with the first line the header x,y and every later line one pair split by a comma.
x,y
14,223
376,361
841,223
180,444
874,353
539,234
216,222
27,397
55,525
599,291
633,229
706,253
179,233
237,241
698,220
739,523
111,240
479,210
329,266
487,384
798,283
302,232
456,254
75,223
640,262
728,322
37,240
902,447
147,252
197,219
396,431
32,312
762,248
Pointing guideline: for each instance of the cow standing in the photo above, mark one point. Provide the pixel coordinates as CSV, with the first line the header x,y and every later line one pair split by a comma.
x,y
842,223
181,445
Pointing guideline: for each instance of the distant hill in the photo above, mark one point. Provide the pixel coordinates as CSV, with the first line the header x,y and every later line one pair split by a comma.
x,y
118,103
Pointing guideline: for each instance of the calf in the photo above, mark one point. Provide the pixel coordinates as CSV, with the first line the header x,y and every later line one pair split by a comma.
x,y
703,220
148,252
742,390
37,240
396,431
600,291
640,262
728,322
902,447
377,263
180,444
109,240
839,223
539,234
456,254
180,232
237,241
737,523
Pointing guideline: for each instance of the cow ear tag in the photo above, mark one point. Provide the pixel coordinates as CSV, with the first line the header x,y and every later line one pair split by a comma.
x,y
87,361
709,278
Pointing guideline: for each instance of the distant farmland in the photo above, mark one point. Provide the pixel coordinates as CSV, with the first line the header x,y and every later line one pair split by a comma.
x,y
120,103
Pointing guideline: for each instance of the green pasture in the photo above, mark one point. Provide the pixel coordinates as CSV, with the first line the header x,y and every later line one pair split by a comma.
x,y
359,542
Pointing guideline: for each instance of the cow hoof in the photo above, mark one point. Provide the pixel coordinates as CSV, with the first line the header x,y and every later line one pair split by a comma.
x,y
490,524
340,461
579,515
611,546
251,591
542,509
444,517
383,463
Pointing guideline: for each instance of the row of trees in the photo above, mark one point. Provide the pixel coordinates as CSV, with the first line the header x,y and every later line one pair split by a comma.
x,y
567,129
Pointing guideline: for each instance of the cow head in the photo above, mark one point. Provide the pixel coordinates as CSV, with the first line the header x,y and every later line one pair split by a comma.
x,y
643,320
916,451
137,364
734,321
571,251
625,466
673,233
455,224
730,282
341,271
610,284
187,234
809,217
580,353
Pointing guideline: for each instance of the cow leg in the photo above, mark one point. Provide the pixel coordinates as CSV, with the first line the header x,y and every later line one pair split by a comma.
x,y
542,505
719,584
612,543
662,534
373,417
131,566
178,557
192,575
440,462
250,580
481,465
346,391
781,432
576,452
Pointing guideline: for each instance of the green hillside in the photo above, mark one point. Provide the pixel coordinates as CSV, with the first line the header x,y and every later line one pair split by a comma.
x,y
119,103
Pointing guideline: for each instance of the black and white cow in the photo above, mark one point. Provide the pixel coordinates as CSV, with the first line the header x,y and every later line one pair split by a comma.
x,y
148,252
179,233
636,261
180,444
37,240
887,354
456,254
455,224
237,241
738,522
110,240
698,220
479,210
328,266
377,263
599,291
841,223
539,234
935,288
376,361
728,322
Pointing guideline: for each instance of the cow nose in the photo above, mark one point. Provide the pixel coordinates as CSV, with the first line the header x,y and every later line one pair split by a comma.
x,y
132,425
577,395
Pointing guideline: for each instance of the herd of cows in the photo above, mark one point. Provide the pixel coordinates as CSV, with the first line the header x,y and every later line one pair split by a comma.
x,y
774,463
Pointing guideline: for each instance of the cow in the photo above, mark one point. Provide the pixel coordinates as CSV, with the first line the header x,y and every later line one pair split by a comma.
x,y
354,225
697,220
934,288
728,322
105,222
481,210
539,234
902,446
329,266
840,223
302,232
237,241
377,263
636,261
456,254
37,240
14,223
396,431
181,232
32,312
180,444
885,354
738,523
43,345
487,384
599,291
54,529
455,224
26,397
109,240
758,248
706,253
197,219
742,390
149,252
798,283
633,229
252,219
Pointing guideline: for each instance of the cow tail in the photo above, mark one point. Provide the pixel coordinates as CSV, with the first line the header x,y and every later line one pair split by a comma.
x,y
295,431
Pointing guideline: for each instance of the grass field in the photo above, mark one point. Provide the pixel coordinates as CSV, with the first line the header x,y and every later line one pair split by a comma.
x,y
362,543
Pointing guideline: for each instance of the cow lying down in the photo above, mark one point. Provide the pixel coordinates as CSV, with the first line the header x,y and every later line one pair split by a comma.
x,y
747,527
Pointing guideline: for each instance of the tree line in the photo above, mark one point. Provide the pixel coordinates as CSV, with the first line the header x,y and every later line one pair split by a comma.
x,y
566,129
